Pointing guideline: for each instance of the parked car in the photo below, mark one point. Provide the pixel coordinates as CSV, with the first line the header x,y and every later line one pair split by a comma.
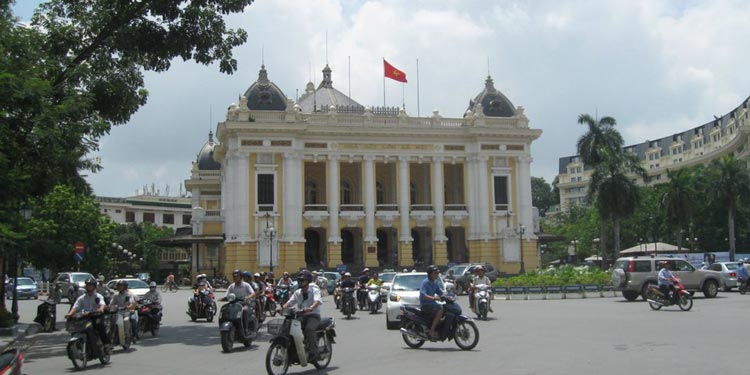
x,y
465,271
136,286
633,276
25,288
728,272
404,291
71,284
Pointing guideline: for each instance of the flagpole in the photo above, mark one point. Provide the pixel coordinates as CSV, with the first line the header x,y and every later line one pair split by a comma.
x,y
417,87
383,82
403,94
350,80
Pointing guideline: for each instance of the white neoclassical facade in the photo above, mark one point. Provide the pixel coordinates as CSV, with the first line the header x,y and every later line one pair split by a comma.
x,y
346,184
728,134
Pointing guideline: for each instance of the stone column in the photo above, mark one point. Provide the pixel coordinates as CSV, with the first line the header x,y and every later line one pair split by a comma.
x,y
370,235
525,215
472,196
483,201
439,246
228,200
242,189
334,232
404,199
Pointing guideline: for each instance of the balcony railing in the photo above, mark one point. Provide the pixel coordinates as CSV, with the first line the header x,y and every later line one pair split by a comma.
x,y
316,207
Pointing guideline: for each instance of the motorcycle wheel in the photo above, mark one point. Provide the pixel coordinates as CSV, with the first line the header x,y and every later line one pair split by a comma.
x,y
653,297
209,316
272,308
743,288
373,307
654,306
104,359
49,323
77,354
325,348
482,311
164,287
227,341
277,359
466,335
412,342
686,302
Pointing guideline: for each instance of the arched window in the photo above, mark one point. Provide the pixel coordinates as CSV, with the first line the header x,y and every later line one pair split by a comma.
x,y
311,192
379,193
346,192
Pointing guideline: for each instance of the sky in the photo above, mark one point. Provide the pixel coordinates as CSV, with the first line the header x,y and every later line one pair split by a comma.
x,y
657,67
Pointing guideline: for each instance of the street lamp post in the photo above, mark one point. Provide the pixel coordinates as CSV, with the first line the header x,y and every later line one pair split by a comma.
x,y
542,250
599,251
270,233
26,213
575,248
521,230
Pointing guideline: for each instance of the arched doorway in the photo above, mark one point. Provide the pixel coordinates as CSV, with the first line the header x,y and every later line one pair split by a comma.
x,y
457,252
387,247
421,247
315,248
351,247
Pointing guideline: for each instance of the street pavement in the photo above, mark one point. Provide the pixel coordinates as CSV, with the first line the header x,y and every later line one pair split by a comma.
x,y
582,336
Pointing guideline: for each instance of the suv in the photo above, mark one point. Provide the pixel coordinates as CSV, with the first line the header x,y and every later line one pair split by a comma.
x,y
465,271
71,284
633,275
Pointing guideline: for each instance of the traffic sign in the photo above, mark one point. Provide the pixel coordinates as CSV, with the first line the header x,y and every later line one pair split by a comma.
x,y
80,247
78,257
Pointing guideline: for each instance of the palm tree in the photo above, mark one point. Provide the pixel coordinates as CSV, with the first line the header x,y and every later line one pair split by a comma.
x,y
730,185
677,200
601,138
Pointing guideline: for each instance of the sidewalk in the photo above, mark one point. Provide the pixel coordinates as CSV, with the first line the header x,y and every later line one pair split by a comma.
x,y
8,336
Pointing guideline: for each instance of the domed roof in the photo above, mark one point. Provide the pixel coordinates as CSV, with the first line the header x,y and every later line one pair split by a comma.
x,y
206,160
320,99
493,102
264,95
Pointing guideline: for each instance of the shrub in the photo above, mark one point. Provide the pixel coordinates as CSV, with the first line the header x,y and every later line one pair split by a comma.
x,y
561,276
6,318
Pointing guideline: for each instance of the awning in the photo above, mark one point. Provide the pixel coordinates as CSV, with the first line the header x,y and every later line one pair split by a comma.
x,y
652,247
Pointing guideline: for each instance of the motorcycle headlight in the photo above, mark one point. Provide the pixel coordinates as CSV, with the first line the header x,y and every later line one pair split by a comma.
x,y
395,297
231,297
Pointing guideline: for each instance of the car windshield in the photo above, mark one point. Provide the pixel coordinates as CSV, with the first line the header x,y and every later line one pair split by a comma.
x,y
408,281
731,266
387,277
25,281
458,270
79,278
136,284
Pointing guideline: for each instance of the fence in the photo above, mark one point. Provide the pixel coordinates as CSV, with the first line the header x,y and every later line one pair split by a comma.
x,y
553,292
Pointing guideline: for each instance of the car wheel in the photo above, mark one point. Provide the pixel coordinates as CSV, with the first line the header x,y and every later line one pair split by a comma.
x,y
630,295
710,289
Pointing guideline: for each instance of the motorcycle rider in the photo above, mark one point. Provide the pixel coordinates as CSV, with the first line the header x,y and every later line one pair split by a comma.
x,y
269,279
243,291
91,301
375,280
154,295
285,280
364,278
125,298
202,278
742,273
306,299
478,279
665,280
429,294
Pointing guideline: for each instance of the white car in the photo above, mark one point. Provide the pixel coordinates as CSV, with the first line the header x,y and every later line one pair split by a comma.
x,y
404,291
387,278
135,286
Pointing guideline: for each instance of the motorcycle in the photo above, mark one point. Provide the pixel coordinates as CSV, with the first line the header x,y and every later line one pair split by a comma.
x,y
680,296
460,328
348,305
11,361
288,344
362,297
373,298
270,304
232,324
742,285
202,305
120,328
82,332
46,315
482,300
282,294
147,320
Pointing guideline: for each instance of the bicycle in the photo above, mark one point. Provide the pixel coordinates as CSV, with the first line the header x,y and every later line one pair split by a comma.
x,y
169,286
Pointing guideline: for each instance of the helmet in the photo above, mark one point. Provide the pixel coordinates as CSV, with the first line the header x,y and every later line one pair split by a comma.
x,y
247,274
270,274
432,268
256,275
201,276
479,268
746,260
236,273
347,274
739,261
91,281
664,263
305,275
152,285
366,270
122,283
286,274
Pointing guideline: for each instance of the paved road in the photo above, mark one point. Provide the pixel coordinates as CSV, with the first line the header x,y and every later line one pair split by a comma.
x,y
585,336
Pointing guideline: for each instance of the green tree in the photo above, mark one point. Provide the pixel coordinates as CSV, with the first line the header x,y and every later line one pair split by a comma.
x,y
138,238
61,219
599,141
542,196
731,185
77,70
677,201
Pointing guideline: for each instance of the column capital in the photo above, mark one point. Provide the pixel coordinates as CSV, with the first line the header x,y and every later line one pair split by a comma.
x,y
437,159
333,157
404,158
369,158
525,159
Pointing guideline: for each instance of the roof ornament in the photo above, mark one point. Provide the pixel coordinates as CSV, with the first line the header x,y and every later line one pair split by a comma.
x,y
489,84
327,82
263,75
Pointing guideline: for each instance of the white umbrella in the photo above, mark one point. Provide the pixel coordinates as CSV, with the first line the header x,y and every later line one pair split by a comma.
x,y
593,258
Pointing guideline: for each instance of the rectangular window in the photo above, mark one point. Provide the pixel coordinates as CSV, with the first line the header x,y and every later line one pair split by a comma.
x,y
149,217
186,219
168,219
118,211
265,192
129,217
501,193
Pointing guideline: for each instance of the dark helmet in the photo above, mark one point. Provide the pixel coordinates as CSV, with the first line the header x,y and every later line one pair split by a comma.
x,y
247,274
432,268
479,268
122,283
236,273
91,281
152,285
305,275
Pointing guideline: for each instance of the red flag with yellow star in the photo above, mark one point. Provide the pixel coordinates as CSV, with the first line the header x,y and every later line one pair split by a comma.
x,y
393,73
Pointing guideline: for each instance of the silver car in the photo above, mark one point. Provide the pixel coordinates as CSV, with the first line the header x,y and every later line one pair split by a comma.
x,y
728,274
404,291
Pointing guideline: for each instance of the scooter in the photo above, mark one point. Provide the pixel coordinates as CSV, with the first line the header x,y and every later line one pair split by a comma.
x,y
46,315
679,296
373,298
120,330
202,305
11,361
270,302
482,300
348,305
288,343
82,332
147,320
282,294
232,324
453,326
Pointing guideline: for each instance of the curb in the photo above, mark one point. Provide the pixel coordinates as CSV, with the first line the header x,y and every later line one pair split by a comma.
x,y
20,331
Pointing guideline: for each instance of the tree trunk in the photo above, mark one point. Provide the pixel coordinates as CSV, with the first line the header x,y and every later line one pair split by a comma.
x,y
731,233
616,225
